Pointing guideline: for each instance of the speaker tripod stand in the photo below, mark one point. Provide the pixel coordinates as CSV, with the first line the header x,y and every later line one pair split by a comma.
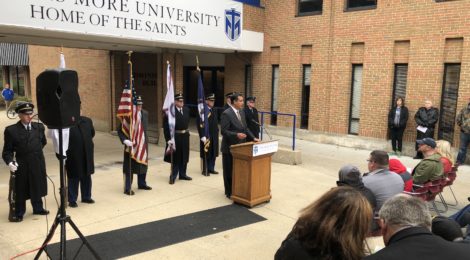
x,y
62,218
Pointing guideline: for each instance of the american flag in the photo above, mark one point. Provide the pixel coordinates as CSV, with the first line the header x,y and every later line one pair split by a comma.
x,y
131,122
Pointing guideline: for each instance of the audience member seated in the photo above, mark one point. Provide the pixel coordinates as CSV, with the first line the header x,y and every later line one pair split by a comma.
x,y
448,229
383,183
406,228
462,217
394,165
447,159
349,175
430,168
333,227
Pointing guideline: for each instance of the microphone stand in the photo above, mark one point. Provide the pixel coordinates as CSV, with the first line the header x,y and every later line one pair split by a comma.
x,y
262,128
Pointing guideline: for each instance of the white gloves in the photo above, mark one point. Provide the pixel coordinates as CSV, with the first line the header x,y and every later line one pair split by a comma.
x,y
170,143
127,143
203,139
13,166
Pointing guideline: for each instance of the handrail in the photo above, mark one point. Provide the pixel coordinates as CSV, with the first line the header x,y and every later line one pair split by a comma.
x,y
281,114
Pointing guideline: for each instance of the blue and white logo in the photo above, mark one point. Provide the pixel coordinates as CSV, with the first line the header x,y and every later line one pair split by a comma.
x,y
233,26
255,150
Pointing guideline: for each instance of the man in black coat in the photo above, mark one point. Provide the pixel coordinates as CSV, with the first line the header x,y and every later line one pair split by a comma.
x,y
136,167
427,117
80,162
213,145
405,222
251,114
180,156
24,142
234,131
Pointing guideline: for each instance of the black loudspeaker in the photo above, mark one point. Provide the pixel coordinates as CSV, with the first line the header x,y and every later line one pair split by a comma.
x,y
57,97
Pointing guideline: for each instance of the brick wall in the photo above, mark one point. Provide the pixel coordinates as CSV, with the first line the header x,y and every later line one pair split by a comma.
x,y
93,69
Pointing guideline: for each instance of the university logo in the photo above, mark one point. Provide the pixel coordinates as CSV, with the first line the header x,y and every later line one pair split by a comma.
x,y
233,26
255,150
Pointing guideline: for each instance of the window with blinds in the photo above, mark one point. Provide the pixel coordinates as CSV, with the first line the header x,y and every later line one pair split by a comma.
x,y
450,90
304,110
274,94
355,106
399,82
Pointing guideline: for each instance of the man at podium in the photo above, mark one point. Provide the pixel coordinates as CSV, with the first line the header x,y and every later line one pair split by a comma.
x,y
234,131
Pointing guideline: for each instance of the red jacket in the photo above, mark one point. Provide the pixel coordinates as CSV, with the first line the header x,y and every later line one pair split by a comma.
x,y
397,167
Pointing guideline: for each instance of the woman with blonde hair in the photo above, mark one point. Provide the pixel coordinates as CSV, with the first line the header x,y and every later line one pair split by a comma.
x,y
334,227
444,150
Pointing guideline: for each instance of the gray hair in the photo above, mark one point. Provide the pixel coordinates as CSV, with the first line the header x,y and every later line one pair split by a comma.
x,y
405,211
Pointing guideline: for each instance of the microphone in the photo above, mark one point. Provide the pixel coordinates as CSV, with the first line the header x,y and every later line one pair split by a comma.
x,y
262,127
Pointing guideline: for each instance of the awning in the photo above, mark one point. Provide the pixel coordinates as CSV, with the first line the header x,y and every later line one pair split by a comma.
x,y
13,54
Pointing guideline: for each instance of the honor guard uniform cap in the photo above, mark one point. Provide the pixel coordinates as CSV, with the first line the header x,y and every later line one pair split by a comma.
x,y
229,94
24,108
139,101
251,99
211,97
179,96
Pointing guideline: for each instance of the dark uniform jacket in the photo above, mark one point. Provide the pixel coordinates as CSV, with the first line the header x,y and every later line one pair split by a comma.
x,y
181,155
427,118
137,168
26,148
230,126
80,158
213,134
419,243
403,118
252,115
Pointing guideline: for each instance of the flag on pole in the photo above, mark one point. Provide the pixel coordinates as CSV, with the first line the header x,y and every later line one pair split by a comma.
x,y
203,111
169,107
131,121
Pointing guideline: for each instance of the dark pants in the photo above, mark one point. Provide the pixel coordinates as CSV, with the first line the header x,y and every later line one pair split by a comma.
x,y
460,218
227,162
420,135
21,207
140,181
210,158
178,168
85,188
396,135
464,141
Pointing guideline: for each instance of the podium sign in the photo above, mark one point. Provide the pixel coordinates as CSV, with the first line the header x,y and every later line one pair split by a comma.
x,y
265,148
251,173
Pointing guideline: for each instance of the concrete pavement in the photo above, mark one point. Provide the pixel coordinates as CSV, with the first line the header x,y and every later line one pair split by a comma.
x,y
293,187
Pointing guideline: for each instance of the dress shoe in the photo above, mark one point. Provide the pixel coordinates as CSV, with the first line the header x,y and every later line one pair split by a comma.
x,y
206,174
186,178
89,201
73,204
41,212
129,192
16,219
146,187
214,172
172,181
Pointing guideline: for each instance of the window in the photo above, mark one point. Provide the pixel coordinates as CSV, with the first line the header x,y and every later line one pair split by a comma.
x,y
307,7
304,110
274,94
248,81
361,4
355,105
450,90
399,82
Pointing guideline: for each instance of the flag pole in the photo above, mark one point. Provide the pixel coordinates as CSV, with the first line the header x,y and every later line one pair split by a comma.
x,y
204,163
131,86
171,146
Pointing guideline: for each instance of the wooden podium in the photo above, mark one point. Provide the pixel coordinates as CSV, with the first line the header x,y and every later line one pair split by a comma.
x,y
251,173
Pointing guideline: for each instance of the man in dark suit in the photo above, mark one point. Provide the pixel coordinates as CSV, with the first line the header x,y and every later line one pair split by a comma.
x,y
405,223
234,131
251,114
80,161
212,153
24,142
180,156
135,168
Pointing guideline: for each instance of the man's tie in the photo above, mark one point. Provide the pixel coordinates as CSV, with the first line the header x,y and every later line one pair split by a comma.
x,y
181,110
238,116
28,127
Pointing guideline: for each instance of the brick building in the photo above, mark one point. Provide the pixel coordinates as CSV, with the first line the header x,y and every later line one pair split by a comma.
x,y
336,64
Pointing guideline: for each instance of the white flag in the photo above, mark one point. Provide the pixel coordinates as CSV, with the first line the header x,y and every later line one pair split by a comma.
x,y
169,106
62,61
